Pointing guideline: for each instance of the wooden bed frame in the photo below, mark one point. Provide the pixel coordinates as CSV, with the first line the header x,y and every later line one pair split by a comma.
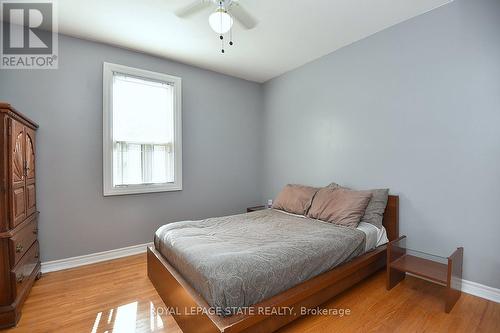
x,y
183,302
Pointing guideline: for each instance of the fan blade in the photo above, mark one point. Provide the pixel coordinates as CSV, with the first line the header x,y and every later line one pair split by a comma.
x,y
241,15
193,8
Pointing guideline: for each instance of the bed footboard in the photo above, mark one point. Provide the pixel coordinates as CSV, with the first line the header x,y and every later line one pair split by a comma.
x,y
186,305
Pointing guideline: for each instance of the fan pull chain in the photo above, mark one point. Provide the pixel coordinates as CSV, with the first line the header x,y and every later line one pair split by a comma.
x,y
221,37
231,36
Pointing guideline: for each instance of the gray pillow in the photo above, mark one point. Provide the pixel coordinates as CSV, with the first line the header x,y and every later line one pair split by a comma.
x,y
374,213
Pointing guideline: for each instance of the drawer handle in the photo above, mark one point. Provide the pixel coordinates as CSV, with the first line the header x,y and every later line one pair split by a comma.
x,y
20,278
19,248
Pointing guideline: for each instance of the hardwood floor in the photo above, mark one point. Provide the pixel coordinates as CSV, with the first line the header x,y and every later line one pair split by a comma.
x,y
86,299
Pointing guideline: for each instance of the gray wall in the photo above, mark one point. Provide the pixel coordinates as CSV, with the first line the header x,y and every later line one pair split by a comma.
x,y
221,126
415,108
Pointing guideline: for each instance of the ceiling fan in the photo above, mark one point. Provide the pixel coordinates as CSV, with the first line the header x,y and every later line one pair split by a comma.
x,y
221,20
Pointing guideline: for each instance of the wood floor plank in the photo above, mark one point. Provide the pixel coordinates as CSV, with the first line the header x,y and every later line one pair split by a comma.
x,y
117,296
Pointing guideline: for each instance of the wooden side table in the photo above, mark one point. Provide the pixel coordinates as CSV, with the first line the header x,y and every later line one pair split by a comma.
x,y
256,208
447,271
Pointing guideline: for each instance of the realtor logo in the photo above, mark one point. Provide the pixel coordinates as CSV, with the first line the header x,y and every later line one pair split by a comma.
x,y
29,35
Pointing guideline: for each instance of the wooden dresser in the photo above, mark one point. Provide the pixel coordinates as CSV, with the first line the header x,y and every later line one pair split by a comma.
x,y
19,251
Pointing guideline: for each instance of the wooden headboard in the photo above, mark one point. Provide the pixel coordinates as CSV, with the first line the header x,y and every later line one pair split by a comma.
x,y
391,217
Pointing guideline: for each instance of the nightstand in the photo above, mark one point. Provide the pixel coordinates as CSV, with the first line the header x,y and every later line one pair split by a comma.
x,y
256,208
443,270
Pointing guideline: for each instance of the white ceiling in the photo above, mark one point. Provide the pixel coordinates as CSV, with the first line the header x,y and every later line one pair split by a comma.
x,y
290,33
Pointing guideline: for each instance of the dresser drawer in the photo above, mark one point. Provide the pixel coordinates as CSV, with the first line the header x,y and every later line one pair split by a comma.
x,y
22,241
24,268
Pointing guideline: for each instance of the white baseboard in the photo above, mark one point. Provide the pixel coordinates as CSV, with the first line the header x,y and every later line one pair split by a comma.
x,y
57,265
473,288
480,290
469,287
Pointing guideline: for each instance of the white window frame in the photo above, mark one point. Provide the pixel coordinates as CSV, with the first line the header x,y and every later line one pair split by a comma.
x,y
107,143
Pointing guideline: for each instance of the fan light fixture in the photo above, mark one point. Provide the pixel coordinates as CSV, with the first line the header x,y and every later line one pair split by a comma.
x,y
220,21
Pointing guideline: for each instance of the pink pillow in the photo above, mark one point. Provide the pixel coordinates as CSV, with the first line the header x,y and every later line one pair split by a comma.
x,y
295,199
339,206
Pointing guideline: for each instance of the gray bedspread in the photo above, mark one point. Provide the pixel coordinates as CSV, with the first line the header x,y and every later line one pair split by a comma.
x,y
240,260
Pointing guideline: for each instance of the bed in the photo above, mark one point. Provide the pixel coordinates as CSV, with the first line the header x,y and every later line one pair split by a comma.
x,y
281,265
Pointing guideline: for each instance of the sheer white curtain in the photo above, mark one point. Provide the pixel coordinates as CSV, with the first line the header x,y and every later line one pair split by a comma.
x,y
143,126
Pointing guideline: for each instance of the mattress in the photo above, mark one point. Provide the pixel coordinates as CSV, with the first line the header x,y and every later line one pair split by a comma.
x,y
374,236
237,261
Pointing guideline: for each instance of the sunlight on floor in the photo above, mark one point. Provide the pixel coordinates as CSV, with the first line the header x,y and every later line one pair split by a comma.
x,y
124,319
155,324
96,322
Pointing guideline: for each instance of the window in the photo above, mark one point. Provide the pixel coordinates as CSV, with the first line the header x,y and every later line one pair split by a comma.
x,y
142,131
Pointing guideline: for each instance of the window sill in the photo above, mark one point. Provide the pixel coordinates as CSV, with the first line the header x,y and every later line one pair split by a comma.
x,y
139,189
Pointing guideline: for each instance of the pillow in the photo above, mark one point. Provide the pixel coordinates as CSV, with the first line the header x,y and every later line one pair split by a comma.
x,y
335,185
374,213
339,206
295,199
